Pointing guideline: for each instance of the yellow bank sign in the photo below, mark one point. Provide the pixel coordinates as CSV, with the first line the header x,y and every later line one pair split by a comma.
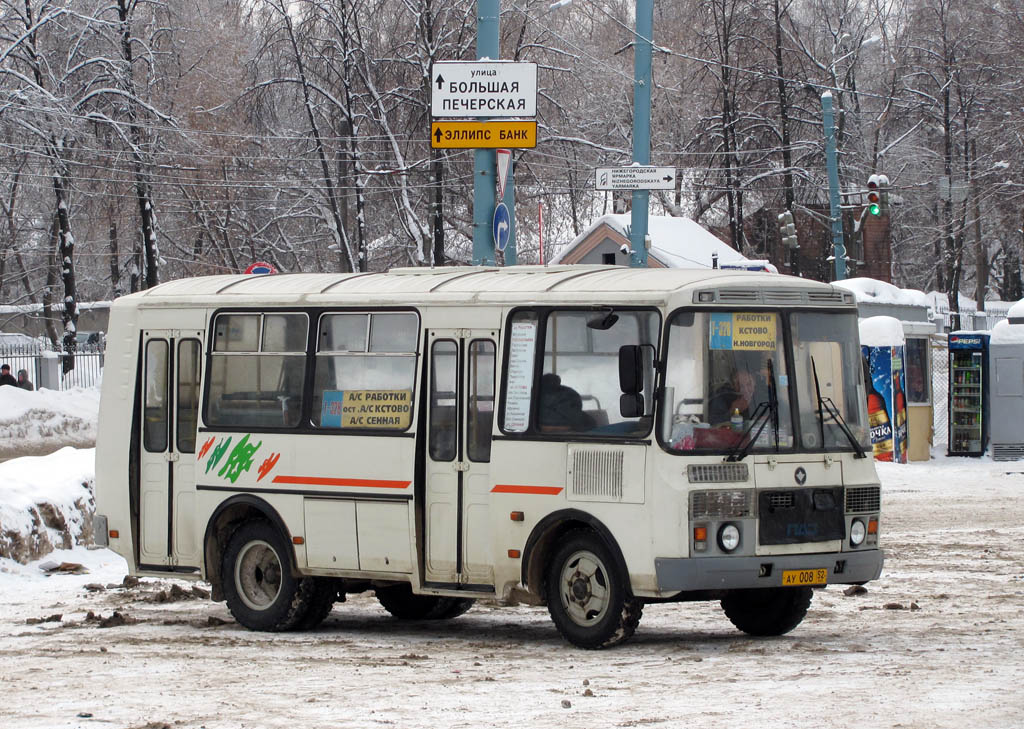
x,y
483,135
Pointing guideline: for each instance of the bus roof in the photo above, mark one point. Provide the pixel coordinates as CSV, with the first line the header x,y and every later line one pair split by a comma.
x,y
597,284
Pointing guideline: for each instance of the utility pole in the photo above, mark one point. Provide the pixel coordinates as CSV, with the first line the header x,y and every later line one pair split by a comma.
x,y
642,52
484,164
838,246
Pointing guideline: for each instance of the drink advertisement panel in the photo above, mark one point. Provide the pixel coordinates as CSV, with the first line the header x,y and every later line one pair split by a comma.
x,y
887,406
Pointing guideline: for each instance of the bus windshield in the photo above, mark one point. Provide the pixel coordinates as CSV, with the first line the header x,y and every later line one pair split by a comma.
x,y
731,385
829,377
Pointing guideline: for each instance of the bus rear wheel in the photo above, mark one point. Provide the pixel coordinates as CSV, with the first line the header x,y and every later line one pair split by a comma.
x,y
321,603
587,597
259,587
400,601
767,611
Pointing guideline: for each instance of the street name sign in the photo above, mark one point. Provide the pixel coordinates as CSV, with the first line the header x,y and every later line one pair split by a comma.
x,y
483,89
483,135
635,178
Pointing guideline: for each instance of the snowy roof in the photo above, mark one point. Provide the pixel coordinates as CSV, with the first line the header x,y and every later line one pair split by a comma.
x,y
675,241
1006,333
940,302
1016,311
880,292
881,331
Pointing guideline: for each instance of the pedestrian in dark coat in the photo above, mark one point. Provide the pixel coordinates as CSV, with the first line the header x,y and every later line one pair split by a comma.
x,y
23,381
5,375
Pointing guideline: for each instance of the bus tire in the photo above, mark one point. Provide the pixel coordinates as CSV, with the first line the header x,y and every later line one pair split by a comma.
x,y
588,597
260,590
400,601
767,611
325,594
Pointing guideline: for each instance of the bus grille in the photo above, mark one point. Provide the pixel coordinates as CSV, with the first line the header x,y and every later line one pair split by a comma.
x,y
717,473
862,499
781,499
720,504
597,473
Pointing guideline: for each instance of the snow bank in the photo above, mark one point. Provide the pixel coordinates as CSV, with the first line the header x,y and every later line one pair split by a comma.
x,y
46,503
881,331
880,292
42,421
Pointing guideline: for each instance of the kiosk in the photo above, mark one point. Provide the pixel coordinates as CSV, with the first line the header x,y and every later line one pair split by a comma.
x,y
1006,376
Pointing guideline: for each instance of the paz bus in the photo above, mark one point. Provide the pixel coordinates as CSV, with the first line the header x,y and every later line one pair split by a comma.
x,y
595,439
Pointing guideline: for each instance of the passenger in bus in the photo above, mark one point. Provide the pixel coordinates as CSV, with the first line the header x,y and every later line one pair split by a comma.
x,y
561,407
739,393
23,381
5,375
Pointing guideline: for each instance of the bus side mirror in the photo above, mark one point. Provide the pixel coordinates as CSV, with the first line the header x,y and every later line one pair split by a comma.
x,y
631,381
631,369
631,405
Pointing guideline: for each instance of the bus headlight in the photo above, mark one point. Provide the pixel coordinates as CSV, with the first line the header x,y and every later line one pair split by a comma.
x,y
857,532
728,537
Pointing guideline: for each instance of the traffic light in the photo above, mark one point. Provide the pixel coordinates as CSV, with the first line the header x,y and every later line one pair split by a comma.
x,y
883,194
874,195
787,230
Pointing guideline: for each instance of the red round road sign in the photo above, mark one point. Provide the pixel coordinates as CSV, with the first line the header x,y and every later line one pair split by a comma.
x,y
261,267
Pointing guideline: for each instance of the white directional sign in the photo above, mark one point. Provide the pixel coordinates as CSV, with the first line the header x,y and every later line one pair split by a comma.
x,y
483,89
635,178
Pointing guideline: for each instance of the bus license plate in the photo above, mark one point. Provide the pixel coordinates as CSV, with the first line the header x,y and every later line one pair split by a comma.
x,y
799,578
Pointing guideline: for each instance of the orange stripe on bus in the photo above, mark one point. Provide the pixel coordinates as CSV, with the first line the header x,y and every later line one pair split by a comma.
x,y
358,482
508,488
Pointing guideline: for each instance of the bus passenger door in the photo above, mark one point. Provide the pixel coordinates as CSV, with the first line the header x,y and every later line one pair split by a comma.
x,y
170,407
460,414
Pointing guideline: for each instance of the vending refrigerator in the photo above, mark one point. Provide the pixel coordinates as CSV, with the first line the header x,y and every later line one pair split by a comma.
x,y
968,394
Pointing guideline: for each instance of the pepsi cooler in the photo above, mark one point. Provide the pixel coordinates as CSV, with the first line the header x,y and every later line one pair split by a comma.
x,y
968,393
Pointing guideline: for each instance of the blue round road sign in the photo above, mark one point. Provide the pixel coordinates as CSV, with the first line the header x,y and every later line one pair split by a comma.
x,y
261,267
501,226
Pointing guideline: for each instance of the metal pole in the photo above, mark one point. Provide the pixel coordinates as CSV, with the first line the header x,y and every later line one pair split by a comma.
x,y
511,258
641,127
484,163
838,246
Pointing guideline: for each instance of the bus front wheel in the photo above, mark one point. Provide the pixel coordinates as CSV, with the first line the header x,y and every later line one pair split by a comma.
x,y
587,597
261,592
767,611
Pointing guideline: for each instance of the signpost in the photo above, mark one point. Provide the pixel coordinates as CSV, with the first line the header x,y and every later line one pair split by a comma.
x,y
488,93
483,135
635,178
483,89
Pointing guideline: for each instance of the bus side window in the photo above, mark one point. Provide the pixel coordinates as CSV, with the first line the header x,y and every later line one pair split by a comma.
x,y
257,370
187,407
365,357
155,413
481,400
444,422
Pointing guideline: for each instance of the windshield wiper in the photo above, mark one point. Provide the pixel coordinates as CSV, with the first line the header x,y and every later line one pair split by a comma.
x,y
825,404
739,451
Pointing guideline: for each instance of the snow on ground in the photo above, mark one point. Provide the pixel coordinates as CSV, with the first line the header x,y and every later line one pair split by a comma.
x,y
936,642
41,421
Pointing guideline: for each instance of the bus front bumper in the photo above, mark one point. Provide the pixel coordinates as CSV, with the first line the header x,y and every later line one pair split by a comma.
x,y
730,573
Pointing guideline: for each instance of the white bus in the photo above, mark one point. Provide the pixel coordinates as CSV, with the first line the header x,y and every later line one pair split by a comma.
x,y
592,438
